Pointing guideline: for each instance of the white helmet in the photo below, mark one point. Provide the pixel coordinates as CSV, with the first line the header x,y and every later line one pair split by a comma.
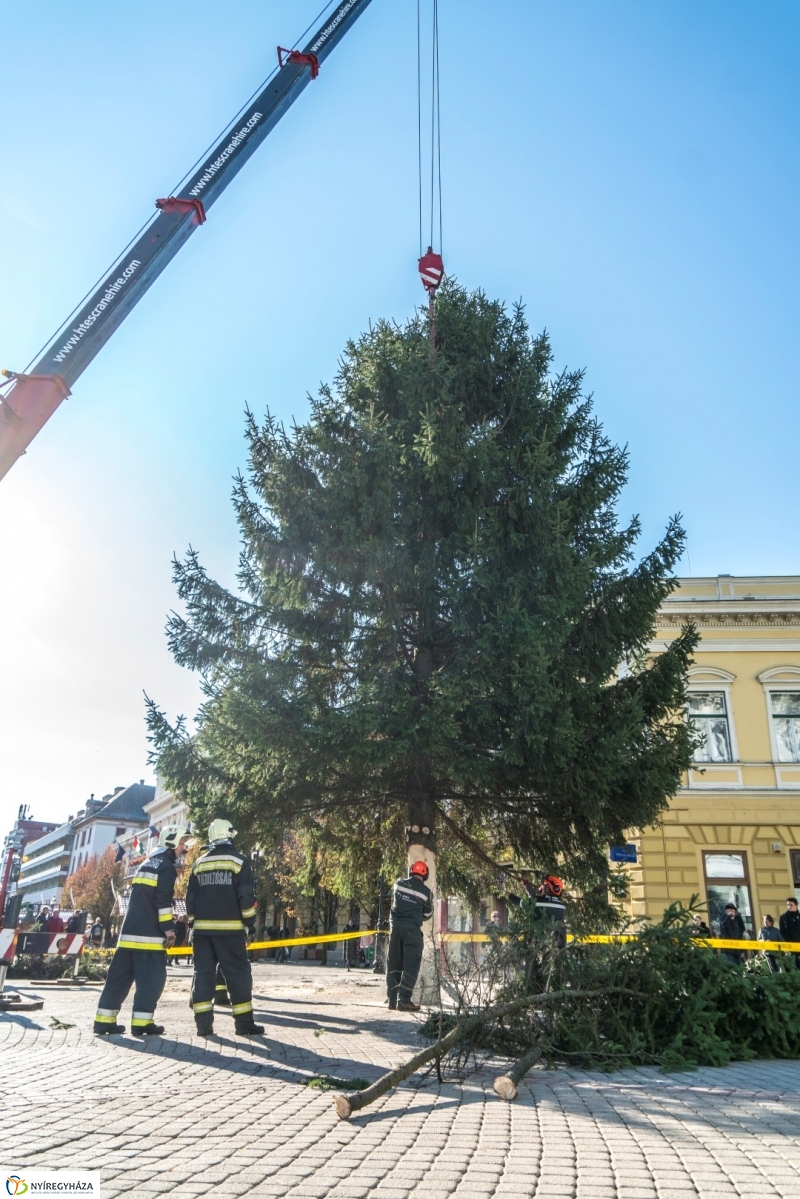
x,y
171,834
221,830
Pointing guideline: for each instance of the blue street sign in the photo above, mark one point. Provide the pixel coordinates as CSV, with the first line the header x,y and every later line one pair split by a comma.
x,y
623,853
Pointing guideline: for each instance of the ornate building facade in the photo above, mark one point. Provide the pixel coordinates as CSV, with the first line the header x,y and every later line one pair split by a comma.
x,y
732,833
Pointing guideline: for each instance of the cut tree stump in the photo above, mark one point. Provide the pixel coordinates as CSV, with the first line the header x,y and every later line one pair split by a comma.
x,y
505,1085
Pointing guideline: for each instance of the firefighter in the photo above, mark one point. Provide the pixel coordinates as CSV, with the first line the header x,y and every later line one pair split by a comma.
x,y
220,905
551,908
412,903
147,932
221,997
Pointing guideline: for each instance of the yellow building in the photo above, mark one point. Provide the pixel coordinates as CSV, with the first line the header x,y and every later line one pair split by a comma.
x,y
732,833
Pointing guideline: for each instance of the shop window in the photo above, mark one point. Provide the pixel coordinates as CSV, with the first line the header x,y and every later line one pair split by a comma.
x,y
708,716
786,723
726,882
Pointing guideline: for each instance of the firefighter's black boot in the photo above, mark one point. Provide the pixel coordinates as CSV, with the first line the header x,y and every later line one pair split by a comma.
x,y
248,1028
148,1030
108,1030
205,1024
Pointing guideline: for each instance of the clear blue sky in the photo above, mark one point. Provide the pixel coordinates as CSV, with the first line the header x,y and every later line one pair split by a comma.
x,y
629,169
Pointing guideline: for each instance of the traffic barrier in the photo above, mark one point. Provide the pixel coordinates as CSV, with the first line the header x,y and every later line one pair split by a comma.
x,y
41,944
13,942
7,939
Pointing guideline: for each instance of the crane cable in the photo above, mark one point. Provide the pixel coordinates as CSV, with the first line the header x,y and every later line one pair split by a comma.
x,y
431,266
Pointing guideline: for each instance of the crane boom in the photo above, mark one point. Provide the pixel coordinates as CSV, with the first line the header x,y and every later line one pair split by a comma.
x,y
33,397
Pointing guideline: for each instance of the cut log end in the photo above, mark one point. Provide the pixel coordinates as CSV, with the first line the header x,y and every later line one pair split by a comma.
x,y
343,1108
505,1087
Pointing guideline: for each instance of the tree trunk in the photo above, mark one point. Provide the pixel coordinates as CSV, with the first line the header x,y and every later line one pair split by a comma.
x,y
330,911
381,924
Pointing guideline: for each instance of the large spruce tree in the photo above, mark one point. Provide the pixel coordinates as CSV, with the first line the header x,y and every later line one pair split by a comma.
x,y
438,626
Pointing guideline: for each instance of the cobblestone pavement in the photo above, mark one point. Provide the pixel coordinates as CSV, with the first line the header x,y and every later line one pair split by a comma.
x,y
232,1117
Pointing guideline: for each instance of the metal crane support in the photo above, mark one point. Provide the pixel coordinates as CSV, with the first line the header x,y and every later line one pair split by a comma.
x,y
33,397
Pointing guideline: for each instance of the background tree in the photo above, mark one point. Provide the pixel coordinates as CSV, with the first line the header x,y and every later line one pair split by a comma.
x,y
435,597
91,887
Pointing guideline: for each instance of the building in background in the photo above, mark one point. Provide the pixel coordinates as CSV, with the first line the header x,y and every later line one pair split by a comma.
x,y
48,858
159,808
164,808
24,831
732,833
113,819
45,866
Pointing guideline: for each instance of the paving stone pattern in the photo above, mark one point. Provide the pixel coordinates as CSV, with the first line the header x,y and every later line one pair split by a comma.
x,y
231,1117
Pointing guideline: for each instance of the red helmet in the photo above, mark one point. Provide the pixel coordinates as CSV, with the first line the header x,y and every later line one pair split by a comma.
x,y
552,885
419,868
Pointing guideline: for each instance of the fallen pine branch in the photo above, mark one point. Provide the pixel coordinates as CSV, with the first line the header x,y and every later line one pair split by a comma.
x,y
347,1104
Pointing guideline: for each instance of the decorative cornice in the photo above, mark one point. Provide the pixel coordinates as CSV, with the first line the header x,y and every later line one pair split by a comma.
x,y
738,645
728,618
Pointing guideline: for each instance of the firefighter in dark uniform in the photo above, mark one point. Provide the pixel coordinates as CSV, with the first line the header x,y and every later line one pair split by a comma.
x,y
551,909
412,903
221,997
220,905
148,930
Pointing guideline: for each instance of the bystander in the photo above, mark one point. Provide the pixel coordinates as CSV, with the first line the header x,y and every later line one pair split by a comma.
x,y
768,932
350,946
790,925
731,928
54,923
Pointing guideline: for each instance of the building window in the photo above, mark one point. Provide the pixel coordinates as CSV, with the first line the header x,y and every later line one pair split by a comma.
x,y
708,716
786,723
726,882
459,916
795,860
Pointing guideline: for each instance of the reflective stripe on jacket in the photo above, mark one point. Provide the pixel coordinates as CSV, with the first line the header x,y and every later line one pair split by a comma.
x,y
149,914
220,898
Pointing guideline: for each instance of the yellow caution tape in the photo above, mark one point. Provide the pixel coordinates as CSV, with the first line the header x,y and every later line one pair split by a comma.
x,y
314,939
593,939
606,939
